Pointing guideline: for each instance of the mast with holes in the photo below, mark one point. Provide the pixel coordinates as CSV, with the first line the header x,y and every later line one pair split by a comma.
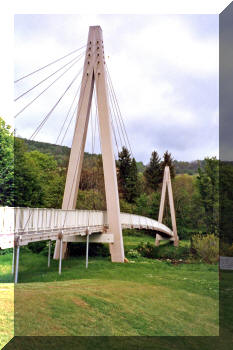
x,y
94,72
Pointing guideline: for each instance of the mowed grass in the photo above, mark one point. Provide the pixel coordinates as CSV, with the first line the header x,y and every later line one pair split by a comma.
x,y
142,297
6,313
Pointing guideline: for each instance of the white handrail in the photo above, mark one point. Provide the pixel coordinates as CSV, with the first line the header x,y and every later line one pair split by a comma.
x,y
38,221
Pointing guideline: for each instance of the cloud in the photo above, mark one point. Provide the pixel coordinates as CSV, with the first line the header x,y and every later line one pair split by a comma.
x,y
164,71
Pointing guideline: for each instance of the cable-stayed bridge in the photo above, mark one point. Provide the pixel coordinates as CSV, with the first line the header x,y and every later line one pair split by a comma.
x,y
97,103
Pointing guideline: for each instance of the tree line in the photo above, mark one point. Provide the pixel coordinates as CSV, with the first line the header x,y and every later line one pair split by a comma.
x,y
36,179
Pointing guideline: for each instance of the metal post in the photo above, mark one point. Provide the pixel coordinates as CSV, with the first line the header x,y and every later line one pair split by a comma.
x,y
17,264
87,248
60,257
49,254
13,261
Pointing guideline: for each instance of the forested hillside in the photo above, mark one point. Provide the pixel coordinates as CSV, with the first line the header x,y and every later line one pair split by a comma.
x,y
61,154
190,168
35,172
40,172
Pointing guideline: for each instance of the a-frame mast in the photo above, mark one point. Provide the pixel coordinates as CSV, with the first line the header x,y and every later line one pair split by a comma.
x,y
167,185
94,72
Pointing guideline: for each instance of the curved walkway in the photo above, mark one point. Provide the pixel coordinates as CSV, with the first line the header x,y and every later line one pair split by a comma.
x,y
37,224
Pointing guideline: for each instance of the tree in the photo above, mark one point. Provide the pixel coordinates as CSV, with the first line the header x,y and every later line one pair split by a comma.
x,y
124,163
153,172
6,164
27,187
50,179
208,185
168,160
38,182
189,211
155,198
226,201
127,176
132,182
142,206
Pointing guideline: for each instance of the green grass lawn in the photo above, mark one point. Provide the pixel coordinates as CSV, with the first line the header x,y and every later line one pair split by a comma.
x,y
6,312
143,297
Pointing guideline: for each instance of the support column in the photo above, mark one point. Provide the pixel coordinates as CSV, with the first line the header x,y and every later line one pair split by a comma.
x,y
167,184
13,261
87,250
17,264
49,254
109,165
79,138
172,209
60,256
94,72
161,207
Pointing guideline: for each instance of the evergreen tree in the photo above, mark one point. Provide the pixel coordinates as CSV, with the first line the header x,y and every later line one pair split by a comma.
x,y
132,182
153,173
124,163
168,160
127,175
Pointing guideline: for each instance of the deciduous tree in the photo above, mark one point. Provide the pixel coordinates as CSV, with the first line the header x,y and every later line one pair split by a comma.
x,y
208,185
6,164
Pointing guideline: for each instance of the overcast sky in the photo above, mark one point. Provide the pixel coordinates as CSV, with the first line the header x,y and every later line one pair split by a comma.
x,y
164,70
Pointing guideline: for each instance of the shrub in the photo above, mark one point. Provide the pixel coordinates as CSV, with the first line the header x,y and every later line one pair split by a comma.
x,y
230,251
186,233
5,251
133,253
165,251
147,250
226,249
74,249
206,247
168,251
45,250
37,247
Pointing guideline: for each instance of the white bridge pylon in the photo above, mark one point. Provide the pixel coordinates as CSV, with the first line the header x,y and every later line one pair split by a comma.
x,y
94,73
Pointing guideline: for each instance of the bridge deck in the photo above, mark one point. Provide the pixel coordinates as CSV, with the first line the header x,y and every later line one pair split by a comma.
x,y
26,225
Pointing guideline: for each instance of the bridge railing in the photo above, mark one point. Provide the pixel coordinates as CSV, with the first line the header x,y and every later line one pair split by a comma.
x,y
138,221
38,219
29,220
7,224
